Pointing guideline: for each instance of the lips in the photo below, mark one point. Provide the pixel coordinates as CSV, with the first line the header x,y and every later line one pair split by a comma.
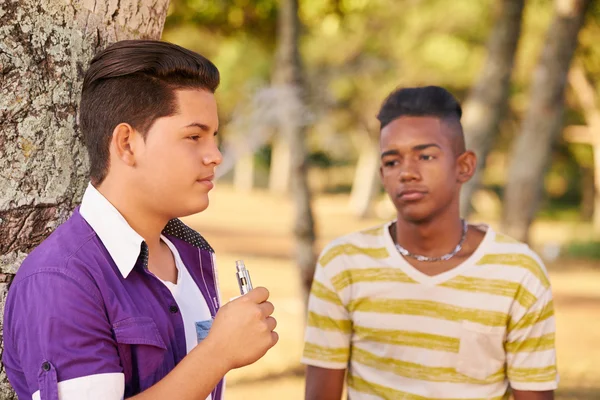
x,y
208,178
410,195
207,181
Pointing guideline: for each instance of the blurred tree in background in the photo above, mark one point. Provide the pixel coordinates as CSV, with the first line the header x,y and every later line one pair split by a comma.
x,y
356,51
543,122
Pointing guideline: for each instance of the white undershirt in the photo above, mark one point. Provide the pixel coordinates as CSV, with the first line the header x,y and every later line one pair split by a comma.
x,y
188,297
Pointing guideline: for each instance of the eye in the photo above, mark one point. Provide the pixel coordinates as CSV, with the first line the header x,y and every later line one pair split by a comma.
x,y
390,163
426,157
195,138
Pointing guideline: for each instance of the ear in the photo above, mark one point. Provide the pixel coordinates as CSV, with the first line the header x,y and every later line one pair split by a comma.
x,y
124,143
466,166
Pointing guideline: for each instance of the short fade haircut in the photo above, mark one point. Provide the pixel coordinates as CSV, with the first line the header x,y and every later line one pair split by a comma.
x,y
428,101
134,82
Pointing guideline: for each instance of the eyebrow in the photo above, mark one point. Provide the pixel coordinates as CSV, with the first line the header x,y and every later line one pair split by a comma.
x,y
204,127
418,147
426,146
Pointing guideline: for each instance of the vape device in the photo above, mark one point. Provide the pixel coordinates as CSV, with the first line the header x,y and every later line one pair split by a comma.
x,y
243,277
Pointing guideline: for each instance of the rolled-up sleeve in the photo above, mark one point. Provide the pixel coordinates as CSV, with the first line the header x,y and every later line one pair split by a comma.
x,y
56,330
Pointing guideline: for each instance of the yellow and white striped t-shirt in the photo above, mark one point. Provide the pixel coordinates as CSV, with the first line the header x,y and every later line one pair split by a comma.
x,y
467,333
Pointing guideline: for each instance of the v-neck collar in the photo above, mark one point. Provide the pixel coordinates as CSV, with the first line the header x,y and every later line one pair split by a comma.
x,y
419,276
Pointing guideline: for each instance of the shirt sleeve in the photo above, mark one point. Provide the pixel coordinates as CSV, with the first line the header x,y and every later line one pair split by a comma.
x,y
530,347
329,327
92,387
58,333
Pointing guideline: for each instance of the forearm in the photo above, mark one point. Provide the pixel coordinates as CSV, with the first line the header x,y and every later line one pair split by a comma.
x,y
193,378
324,384
523,395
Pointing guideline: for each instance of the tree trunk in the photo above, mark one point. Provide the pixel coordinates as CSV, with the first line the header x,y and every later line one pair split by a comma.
x,y
588,135
45,46
243,173
366,179
586,94
280,170
588,194
542,126
486,104
288,76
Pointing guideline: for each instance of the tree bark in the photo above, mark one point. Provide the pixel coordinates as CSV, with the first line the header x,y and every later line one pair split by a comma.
x,y
288,75
543,122
45,46
486,104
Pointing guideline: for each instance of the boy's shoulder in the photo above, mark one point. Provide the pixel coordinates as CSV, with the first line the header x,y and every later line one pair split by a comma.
x,y
367,242
504,247
363,237
54,253
517,259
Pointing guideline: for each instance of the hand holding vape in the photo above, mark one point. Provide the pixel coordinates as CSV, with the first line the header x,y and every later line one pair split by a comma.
x,y
243,277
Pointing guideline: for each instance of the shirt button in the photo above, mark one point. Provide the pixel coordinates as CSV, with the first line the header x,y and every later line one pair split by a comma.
x,y
174,309
46,366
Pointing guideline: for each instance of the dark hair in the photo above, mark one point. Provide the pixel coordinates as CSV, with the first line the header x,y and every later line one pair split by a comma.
x,y
133,81
429,101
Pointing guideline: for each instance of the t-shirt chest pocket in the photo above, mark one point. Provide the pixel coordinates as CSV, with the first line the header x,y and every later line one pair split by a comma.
x,y
481,353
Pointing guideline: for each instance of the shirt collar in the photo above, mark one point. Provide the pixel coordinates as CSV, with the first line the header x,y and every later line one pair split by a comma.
x,y
121,241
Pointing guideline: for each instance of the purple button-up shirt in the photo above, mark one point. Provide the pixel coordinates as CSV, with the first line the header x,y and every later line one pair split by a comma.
x,y
70,313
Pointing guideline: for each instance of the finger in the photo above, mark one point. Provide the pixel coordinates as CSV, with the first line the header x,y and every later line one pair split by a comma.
x,y
267,308
274,338
271,323
258,295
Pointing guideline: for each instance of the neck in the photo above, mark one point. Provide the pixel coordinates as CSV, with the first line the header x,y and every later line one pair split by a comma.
x,y
430,238
125,198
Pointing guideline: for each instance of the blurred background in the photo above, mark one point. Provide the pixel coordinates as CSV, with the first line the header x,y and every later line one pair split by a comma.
x,y
302,81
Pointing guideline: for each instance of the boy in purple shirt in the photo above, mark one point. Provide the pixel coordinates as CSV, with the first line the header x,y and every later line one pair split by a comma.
x,y
121,301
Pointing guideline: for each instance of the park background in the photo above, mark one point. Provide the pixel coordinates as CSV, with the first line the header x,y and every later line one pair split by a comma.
x,y
302,81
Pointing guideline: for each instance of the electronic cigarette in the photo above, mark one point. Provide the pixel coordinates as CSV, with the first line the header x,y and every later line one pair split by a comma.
x,y
243,277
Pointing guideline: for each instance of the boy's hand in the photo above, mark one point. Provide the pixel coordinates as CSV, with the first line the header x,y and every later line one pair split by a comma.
x,y
243,329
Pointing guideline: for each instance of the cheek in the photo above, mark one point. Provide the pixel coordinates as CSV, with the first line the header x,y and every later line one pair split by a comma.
x,y
440,177
167,166
179,158
388,180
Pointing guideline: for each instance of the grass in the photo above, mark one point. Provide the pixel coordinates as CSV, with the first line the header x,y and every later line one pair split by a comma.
x,y
256,226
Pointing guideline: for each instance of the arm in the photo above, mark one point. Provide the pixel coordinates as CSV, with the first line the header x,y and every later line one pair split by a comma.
x,y
531,353
324,383
241,334
327,337
59,339
521,395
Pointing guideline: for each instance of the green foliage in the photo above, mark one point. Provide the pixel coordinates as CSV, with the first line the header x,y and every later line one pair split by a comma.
x,y
585,250
356,51
257,18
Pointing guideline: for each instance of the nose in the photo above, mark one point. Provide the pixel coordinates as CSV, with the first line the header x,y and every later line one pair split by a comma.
x,y
409,172
213,155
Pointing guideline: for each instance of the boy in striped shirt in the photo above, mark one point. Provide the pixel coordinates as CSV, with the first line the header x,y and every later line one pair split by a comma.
x,y
428,307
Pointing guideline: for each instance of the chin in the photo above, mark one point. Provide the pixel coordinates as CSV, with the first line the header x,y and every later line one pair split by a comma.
x,y
192,208
414,214
199,207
